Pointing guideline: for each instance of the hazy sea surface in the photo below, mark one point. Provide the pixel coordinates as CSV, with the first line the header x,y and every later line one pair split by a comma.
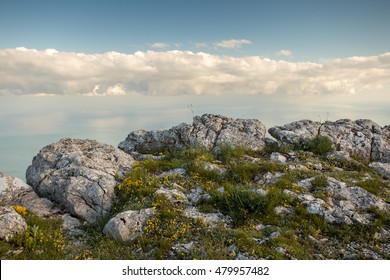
x,y
28,123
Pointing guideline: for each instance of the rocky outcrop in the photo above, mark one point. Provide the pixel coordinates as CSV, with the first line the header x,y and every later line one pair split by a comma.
x,y
11,223
344,204
128,225
381,168
363,138
79,175
14,191
208,131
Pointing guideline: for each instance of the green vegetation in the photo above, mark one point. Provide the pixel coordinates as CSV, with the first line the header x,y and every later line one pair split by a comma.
x,y
43,239
319,145
255,229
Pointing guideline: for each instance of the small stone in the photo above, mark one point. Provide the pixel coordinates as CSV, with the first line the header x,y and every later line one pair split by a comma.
x,y
277,157
283,210
174,195
275,234
128,225
281,250
212,219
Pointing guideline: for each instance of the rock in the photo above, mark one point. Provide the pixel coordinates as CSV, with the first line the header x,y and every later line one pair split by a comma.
x,y
283,210
174,172
305,183
14,191
381,168
281,250
363,138
197,194
212,219
338,155
208,131
275,234
128,225
214,168
261,191
294,132
269,178
244,256
71,225
79,175
11,223
173,195
181,248
344,205
359,198
276,157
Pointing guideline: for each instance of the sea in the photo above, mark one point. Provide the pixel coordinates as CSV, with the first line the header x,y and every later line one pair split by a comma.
x,y
29,123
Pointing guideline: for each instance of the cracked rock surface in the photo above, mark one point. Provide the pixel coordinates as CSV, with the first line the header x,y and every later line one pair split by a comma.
x,y
208,131
11,223
14,191
363,137
128,225
79,175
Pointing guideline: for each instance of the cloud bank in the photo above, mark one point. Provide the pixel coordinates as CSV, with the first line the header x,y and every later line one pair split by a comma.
x,y
47,72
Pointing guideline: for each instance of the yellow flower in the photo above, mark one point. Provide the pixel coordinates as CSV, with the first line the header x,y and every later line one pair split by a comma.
x,y
20,209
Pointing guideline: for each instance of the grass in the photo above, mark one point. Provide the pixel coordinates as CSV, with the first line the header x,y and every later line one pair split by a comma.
x,y
170,233
319,145
43,239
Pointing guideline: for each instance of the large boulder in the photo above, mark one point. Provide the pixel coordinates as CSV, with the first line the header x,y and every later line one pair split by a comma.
x,y
208,131
128,225
79,175
363,138
11,223
14,191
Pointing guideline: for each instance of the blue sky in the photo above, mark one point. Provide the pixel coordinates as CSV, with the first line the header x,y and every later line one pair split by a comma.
x,y
309,29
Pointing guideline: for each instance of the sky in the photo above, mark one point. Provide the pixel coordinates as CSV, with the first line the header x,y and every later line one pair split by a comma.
x,y
99,69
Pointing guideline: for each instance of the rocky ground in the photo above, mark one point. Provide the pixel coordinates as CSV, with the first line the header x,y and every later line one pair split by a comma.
x,y
218,188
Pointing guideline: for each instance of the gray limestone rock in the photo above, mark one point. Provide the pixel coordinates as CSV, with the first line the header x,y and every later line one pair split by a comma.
x,y
14,191
344,205
128,225
174,195
363,138
11,223
277,157
208,131
79,175
212,219
381,168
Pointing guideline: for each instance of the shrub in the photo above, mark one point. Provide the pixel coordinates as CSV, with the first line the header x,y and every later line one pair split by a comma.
x,y
226,153
319,145
240,203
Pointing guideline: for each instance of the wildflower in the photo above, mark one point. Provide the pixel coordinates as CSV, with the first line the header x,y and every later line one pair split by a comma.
x,y
20,209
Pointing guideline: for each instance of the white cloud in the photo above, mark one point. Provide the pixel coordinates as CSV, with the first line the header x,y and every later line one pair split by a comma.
x,y
25,71
285,53
232,44
159,45
201,45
